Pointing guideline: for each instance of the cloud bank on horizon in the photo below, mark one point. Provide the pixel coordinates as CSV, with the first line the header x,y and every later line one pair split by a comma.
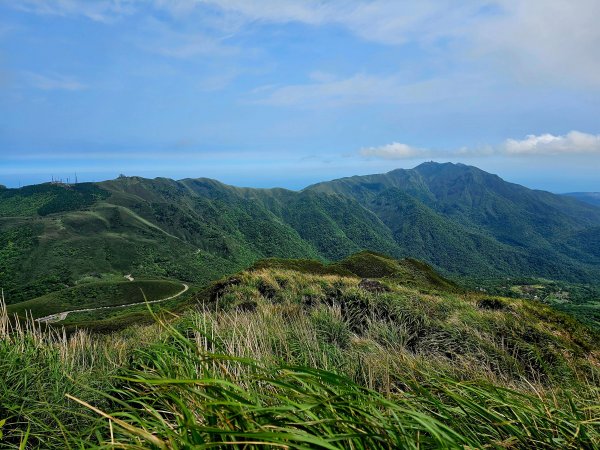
x,y
572,143
272,88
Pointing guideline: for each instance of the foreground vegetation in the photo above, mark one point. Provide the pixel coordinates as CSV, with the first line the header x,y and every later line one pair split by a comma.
x,y
302,355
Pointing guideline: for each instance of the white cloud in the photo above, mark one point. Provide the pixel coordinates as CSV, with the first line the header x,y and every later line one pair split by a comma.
x,y
53,82
395,150
544,41
574,142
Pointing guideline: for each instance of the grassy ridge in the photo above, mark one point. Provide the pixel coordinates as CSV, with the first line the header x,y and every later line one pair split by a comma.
x,y
366,264
496,338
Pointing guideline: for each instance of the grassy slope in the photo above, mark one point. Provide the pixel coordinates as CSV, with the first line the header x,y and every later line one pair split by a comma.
x,y
420,311
55,252
303,356
94,295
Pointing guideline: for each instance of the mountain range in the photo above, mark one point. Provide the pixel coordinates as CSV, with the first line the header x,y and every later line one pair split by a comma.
x,y
458,218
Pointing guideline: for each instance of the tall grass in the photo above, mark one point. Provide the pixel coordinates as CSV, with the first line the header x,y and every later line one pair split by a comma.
x,y
185,393
39,368
328,322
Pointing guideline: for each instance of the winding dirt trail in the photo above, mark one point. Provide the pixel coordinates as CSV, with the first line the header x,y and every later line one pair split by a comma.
x,y
52,318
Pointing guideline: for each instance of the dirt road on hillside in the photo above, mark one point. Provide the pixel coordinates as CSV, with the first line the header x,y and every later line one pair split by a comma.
x,y
52,318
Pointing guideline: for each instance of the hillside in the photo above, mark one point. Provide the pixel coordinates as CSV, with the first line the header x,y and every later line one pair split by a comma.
x,y
463,221
300,354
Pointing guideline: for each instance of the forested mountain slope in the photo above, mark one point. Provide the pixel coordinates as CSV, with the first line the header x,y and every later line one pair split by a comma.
x,y
196,230
468,221
460,219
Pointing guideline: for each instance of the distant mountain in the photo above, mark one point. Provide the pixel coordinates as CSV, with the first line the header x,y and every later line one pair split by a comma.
x,y
458,218
593,198
467,221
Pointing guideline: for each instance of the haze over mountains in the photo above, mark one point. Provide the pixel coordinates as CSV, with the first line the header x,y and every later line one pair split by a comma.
x,y
462,220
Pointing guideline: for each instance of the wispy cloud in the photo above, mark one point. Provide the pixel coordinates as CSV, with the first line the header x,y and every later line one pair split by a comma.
x,y
549,39
572,143
382,21
96,10
358,89
54,81
324,90
527,40
179,42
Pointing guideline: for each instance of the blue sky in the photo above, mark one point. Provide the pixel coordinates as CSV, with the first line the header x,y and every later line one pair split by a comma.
x,y
290,92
